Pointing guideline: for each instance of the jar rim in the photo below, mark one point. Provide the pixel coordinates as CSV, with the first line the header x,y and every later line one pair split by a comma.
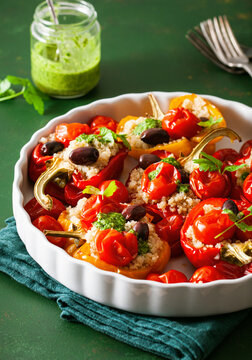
x,y
83,7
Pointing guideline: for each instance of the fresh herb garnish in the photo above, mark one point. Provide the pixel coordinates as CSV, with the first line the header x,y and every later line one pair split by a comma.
x,y
153,174
210,163
143,247
110,220
29,92
105,136
182,187
244,175
212,121
238,220
109,191
147,124
171,160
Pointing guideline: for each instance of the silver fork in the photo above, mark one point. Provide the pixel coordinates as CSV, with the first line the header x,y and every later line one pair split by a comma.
x,y
222,41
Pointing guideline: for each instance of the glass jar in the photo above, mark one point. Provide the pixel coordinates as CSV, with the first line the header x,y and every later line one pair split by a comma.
x,y
65,58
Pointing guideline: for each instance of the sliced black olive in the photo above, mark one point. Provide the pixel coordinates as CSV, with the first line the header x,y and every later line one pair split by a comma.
x,y
146,160
134,212
142,230
84,155
184,176
155,136
51,147
230,205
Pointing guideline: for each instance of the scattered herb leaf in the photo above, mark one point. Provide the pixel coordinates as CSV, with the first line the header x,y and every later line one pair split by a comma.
x,y
172,161
147,124
108,192
105,136
212,121
153,174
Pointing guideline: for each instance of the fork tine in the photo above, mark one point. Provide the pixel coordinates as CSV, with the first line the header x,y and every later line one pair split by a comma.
x,y
226,37
232,37
221,38
216,45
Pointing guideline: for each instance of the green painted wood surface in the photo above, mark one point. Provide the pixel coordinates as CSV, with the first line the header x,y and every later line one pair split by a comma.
x,y
143,48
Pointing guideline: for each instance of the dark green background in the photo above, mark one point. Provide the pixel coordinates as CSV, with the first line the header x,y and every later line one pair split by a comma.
x,y
143,48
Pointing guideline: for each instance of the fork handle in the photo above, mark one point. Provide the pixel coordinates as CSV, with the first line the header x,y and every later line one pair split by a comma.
x,y
248,68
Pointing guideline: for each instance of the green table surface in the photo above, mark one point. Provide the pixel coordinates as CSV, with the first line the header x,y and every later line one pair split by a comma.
x,y
143,48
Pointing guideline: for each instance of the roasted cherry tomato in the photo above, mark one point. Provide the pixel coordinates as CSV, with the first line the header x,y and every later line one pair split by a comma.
x,y
247,187
162,154
227,155
116,248
120,195
200,255
206,274
67,132
180,123
102,121
35,210
94,205
209,225
46,222
168,230
230,271
164,180
173,277
37,163
208,184
154,277
246,148
72,193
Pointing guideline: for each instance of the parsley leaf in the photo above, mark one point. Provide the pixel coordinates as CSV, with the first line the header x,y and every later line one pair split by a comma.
x,y
212,121
147,124
230,214
88,138
108,192
182,187
143,247
29,92
232,168
110,220
172,161
153,174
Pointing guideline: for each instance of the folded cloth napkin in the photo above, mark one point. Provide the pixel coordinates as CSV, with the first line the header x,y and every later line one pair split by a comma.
x,y
180,338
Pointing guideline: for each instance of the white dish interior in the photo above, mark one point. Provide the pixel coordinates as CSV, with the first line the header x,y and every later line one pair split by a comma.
x,y
140,296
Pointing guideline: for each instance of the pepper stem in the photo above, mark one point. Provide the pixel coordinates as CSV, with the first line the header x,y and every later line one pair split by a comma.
x,y
76,233
237,253
157,112
195,154
39,188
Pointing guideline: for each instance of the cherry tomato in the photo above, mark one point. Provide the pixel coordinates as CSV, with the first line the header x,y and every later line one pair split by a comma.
x,y
93,206
206,274
230,271
67,132
207,226
247,187
72,193
208,184
46,222
154,277
162,154
35,210
168,230
180,122
246,148
173,277
116,248
165,182
229,155
102,121
120,195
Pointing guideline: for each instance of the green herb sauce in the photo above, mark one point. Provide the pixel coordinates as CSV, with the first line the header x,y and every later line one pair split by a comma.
x,y
69,67
111,220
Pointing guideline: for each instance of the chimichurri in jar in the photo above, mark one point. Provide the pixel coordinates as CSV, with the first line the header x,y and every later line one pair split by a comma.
x,y
65,58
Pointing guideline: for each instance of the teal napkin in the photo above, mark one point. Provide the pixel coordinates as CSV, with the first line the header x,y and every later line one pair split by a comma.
x,y
180,338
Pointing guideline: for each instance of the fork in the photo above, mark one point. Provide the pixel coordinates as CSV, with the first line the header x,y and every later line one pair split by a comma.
x,y
222,41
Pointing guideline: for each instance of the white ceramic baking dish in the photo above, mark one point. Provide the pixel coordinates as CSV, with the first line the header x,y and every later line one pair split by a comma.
x,y
140,296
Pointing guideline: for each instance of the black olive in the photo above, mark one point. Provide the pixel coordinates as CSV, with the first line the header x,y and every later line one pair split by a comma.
x,y
134,212
84,155
51,147
142,230
146,160
155,136
230,205
202,118
184,176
